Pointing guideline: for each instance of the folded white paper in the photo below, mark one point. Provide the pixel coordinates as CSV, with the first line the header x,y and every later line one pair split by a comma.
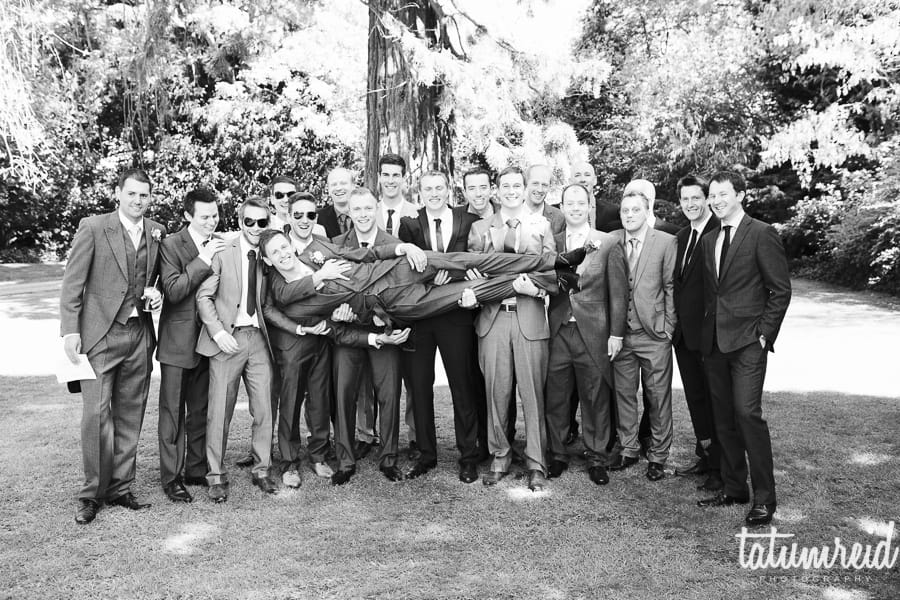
x,y
66,371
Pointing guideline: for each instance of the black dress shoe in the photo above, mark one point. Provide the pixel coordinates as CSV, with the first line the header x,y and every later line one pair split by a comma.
x,y
392,473
245,461
701,467
218,492
556,468
176,492
536,481
127,500
264,483
343,476
598,475
713,483
572,258
419,469
655,471
362,449
721,499
195,481
760,514
87,511
623,462
468,473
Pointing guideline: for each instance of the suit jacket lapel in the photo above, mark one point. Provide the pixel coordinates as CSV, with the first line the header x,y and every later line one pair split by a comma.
x,y
236,254
496,232
457,227
649,240
152,247
712,224
115,237
189,248
425,229
739,236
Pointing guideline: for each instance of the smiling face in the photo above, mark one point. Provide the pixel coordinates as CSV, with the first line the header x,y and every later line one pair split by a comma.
x,y
575,206
279,199
538,185
583,173
511,190
205,218
280,254
693,203
724,200
133,198
340,182
251,232
434,192
478,191
362,212
390,182
633,213
302,225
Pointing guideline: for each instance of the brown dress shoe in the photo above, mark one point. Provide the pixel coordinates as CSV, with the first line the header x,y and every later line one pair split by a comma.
x,y
87,511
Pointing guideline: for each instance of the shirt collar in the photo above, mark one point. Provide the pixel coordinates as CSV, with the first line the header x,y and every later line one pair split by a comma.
x,y
582,230
198,239
699,227
245,246
734,220
369,238
640,235
443,215
128,225
298,244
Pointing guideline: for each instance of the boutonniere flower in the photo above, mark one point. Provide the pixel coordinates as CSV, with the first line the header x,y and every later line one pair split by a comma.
x,y
156,234
593,245
317,257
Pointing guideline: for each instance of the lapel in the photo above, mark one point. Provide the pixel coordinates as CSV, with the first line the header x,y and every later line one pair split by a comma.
x,y
304,256
152,246
495,231
425,229
189,248
649,241
458,216
115,235
593,235
236,258
739,237
711,225
381,237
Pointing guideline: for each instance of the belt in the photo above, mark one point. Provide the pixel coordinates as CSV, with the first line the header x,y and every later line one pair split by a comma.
x,y
242,327
508,307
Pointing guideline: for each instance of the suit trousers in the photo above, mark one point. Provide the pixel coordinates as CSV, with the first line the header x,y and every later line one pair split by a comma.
x,y
113,407
305,369
649,361
504,353
252,364
183,395
571,369
367,409
454,335
699,403
736,386
386,380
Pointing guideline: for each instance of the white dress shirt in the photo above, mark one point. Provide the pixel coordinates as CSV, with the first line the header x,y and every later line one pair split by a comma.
x,y
446,217
734,220
242,319
698,227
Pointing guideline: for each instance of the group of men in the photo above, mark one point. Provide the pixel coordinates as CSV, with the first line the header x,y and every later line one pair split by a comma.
x,y
328,312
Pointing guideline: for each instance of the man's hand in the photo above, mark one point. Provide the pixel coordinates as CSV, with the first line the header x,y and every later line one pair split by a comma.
x,y
212,247
468,299
333,269
320,328
442,277
524,285
226,342
473,274
343,314
156,298
72,346
395,338
415,256
613,347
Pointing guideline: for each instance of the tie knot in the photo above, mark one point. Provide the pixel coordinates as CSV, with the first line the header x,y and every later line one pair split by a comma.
x,y
364,244
437,222
727,228
251,255
633,242
390,212
512,223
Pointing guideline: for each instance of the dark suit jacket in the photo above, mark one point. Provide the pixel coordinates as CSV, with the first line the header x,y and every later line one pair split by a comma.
x,y
181,273
95,282
689,287
601,305
556,218
329,221
416,230
751,295
608,218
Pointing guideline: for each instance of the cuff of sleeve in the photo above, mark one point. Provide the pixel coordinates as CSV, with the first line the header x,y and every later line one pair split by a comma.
x,y
219,335
372,340
616,337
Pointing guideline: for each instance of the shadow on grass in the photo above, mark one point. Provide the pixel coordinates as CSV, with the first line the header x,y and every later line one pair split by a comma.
x,y
837,469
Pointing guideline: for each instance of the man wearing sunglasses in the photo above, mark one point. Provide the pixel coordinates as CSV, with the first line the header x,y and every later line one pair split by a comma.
x,y
235,339
281,189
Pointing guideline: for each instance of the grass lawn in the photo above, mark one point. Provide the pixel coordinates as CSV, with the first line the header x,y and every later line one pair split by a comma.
x,y
836,467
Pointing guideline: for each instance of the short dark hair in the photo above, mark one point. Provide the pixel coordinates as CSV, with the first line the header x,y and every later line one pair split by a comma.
x,y
435,173
392,159
200,194
133,173
690,181
510,170
252,201
283,179
298,196
562,196
737,181
474,172
265,237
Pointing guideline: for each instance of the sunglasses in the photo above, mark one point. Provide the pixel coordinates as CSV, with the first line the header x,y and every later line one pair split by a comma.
x,y
261,223
280,195
311,215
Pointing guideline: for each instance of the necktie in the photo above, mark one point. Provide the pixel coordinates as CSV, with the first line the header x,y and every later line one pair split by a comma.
x,y
390,222
509,242
364,244
204,242
633,254
438,236
135,234
344,222
725,244
251,282
287,229
690,250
